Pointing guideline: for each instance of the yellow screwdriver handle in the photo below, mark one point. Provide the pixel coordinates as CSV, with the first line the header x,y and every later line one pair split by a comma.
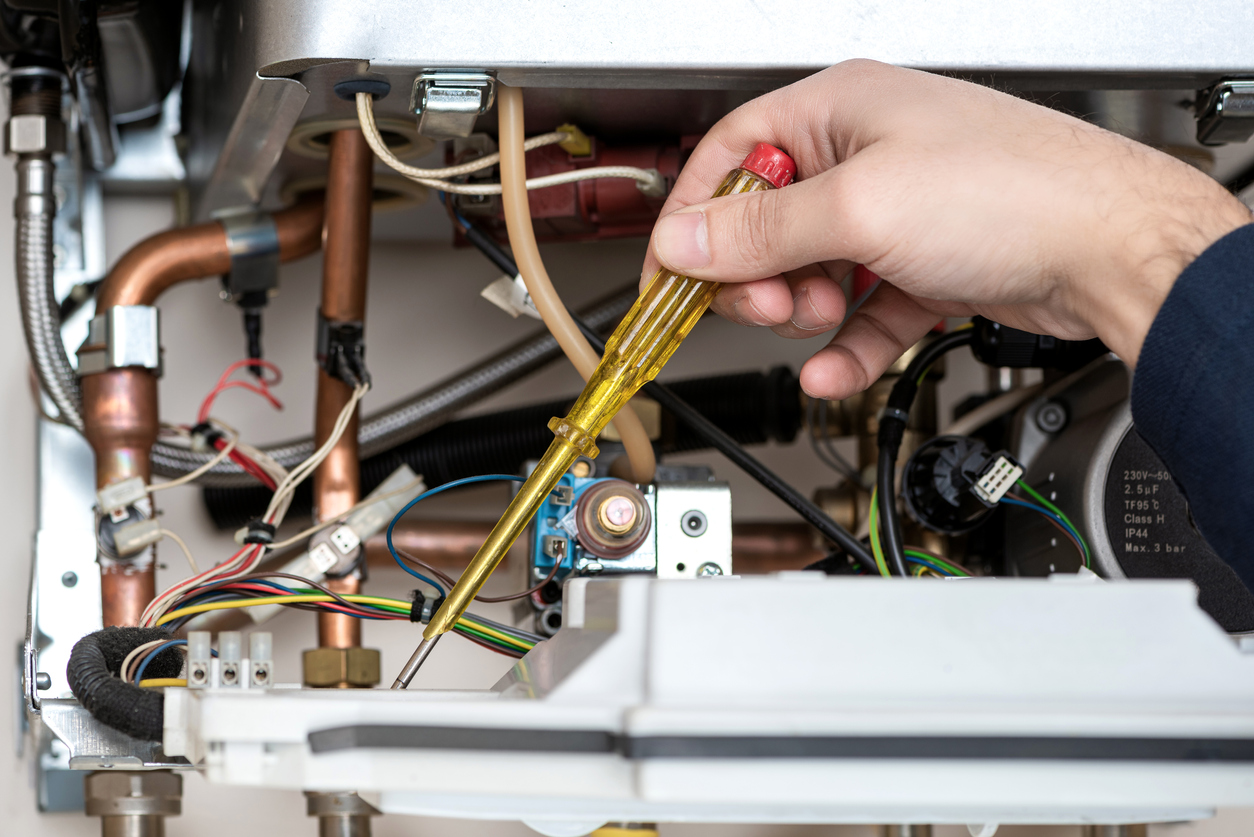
x,y
646,338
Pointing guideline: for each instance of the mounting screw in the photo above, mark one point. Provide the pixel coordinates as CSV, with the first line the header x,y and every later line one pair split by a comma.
x,y
43,681
709,569
1051,417
69,579
694,524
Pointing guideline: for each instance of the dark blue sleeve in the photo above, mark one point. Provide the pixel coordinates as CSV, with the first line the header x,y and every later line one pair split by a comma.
x,y
1193,394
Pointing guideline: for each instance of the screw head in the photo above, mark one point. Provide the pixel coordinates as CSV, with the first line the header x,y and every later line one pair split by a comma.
x,y
1051,417
708,570
694,523
69,579
43,681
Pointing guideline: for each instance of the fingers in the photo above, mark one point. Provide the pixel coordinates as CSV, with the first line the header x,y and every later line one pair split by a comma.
x,y
876,335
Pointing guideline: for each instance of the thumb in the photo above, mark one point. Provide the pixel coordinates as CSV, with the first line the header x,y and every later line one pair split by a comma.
x,y
740,238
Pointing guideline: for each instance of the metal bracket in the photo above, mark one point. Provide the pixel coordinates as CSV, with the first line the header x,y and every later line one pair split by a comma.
x,y
341,350
1225,113
447,102
124,335
253,241
94,746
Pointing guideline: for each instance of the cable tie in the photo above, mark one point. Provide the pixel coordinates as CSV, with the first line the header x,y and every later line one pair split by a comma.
x,y
415,612
260,532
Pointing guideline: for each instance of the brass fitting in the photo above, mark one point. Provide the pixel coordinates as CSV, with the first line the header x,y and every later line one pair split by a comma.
x,y
341,668
133,802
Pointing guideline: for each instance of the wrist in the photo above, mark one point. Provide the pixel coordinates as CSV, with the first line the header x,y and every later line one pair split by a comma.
x,y
1151,256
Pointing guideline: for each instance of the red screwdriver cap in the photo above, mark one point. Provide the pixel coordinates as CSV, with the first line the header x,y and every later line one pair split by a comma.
x,y
770,164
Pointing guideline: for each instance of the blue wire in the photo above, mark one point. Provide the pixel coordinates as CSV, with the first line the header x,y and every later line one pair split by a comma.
x,y
1065,526
139,672
910,559
424,495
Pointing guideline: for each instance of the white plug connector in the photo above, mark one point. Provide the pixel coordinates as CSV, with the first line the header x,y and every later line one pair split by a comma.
x,y
997,479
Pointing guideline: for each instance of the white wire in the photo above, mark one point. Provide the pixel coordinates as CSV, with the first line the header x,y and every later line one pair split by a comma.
x,y
135,652
183,546
434,178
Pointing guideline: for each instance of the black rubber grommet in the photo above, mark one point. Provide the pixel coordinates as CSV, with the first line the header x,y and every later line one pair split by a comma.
x,y
349,88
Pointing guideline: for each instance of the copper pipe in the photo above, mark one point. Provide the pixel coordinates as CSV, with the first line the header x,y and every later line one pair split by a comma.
x,y
345,266
167,258
120,406
336,630
757,548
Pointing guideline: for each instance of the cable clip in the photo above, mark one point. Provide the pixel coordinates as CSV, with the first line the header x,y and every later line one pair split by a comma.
x,y
341,350
424,608
205,437
259,532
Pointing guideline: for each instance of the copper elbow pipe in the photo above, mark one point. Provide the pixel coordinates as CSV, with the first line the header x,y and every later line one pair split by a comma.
x,y
167,258
120,414
345,265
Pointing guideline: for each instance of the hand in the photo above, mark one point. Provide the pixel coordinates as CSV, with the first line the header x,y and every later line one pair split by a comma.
x,y
963,199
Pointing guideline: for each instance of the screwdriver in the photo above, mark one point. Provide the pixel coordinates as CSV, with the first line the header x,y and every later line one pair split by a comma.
x,y
659,321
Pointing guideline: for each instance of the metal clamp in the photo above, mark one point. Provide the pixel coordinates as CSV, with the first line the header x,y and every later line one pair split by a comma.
x,y
341,350
253,241
448,102
124,335
1225,113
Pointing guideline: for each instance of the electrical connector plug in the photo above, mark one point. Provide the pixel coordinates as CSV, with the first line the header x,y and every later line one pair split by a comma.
x,y
997,345
116,496
997,478
577,143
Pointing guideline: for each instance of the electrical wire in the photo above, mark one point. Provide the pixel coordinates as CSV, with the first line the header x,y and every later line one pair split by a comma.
x,y
225,451
344,515
162,682
262,387
892,431
1072,533
649,179
821,443
191,562
708,431
152,655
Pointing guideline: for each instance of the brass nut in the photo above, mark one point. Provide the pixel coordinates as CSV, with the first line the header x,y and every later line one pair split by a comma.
x,y
342,668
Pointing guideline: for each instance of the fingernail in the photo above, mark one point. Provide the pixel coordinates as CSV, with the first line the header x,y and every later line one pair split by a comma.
x,y
748,313
805,316
681,241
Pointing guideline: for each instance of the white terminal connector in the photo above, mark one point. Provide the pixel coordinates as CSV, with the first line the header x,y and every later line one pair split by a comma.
x,y
118,495
998,478
261,659
199,659
230,658
133,537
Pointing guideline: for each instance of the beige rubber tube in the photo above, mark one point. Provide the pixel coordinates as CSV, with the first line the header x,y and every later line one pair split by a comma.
x,y
522,239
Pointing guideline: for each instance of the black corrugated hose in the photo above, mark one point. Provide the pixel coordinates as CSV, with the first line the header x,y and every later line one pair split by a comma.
x,y
95,661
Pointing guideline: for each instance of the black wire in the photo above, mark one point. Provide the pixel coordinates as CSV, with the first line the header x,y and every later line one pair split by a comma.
x,y
708,431
893,430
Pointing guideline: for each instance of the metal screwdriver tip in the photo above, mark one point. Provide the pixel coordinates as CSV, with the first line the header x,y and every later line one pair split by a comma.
x,y
415,662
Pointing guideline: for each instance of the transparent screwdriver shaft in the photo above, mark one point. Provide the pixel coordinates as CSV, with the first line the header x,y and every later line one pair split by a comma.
x,y
646,338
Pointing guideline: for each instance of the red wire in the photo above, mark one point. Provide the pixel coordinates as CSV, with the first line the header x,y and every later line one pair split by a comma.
x,y
262,387
246,462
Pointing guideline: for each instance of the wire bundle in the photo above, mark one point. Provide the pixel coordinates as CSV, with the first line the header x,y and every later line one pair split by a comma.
x,y
247,558
259,589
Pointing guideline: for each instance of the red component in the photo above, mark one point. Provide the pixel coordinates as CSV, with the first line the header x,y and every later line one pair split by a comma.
x,y
770,164
589,209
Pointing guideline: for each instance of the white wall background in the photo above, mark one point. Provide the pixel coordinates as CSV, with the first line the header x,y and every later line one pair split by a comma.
x,y
425,320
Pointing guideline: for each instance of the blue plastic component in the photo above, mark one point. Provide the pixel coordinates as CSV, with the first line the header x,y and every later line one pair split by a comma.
x,y
548,525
